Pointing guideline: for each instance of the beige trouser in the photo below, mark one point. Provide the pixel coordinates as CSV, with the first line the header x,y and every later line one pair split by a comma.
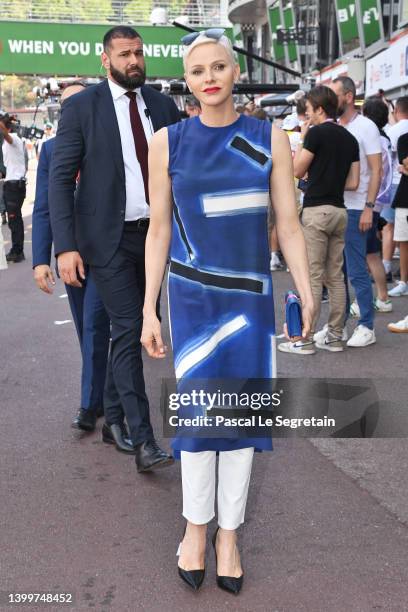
x,y
324,228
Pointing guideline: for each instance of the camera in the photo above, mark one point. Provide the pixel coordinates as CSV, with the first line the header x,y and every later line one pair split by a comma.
x,y
9,120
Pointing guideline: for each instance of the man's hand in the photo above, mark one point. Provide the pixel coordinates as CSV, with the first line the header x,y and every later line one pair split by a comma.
x,y
250,106
44,278
70,266
5,132
366,220
304,128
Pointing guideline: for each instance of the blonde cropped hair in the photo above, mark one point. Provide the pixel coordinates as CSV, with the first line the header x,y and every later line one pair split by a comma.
x,y
224,41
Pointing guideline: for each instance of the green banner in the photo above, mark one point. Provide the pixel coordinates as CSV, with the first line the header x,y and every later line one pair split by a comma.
x,y
348,25
275,22
239,42
74,49
289,23
371,21
403,12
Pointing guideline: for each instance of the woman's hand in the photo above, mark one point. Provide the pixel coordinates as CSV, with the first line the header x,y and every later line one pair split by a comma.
x,y
307,318
151,337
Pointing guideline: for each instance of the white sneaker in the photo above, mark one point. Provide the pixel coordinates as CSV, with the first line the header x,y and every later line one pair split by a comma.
x,y
399,328
297,348
382,306
330,344
320,336
355,310
400,289
362,336
275,263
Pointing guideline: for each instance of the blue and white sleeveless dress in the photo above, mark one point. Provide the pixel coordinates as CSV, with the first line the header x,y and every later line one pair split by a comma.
x,y
221,307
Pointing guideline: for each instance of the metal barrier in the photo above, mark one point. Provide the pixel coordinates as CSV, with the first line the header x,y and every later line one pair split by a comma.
x,y
195,12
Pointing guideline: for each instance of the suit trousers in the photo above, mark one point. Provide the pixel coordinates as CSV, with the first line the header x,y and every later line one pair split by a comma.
x,y
93,328
198,472
121,285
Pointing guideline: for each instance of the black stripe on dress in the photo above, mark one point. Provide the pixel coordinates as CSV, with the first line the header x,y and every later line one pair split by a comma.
x,y
216,280
182,230
245,147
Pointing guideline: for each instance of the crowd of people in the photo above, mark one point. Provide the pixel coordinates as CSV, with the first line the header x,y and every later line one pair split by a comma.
x,y
126,186
370,204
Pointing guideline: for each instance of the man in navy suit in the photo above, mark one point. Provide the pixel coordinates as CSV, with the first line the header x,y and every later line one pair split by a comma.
x,y
103,135
90,317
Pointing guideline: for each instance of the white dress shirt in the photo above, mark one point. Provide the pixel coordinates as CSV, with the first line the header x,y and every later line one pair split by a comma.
x,y
136,205
14,160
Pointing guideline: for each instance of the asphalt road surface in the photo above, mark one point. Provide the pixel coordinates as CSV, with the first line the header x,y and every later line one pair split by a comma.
x,y
327,520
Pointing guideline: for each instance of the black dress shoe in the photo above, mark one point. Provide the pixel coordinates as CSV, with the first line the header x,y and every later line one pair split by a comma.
x,y
149,456
85,420
3,218
227,583
15,257
117,434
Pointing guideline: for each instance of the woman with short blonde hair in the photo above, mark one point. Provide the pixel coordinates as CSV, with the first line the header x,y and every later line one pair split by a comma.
x,y
211,178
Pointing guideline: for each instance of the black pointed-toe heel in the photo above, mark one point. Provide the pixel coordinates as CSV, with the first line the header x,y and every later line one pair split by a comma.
x,y
227,583
194,578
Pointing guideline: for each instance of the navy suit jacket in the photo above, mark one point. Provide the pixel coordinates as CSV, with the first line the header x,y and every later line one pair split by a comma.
x,y
90,219
41,232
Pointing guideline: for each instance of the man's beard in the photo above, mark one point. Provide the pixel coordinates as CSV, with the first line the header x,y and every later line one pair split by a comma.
x,y
341,110
126,81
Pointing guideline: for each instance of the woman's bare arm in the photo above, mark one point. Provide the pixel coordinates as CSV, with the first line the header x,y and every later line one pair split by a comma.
x,y
289,229
157,240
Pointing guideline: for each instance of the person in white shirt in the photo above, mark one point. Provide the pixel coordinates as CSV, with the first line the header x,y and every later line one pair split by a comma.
x,y
48,133
394,132
14,187
360,205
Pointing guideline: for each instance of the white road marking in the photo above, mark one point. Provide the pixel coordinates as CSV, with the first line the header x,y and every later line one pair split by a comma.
x,y
63,295
62,322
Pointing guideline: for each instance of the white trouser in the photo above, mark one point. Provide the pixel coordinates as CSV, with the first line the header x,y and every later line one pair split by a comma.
x,y
198,477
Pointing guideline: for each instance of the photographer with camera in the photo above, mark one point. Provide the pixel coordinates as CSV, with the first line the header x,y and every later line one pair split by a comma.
x,y
14,186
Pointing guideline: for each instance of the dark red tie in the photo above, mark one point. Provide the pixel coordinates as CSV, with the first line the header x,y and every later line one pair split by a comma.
x,y
139,137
